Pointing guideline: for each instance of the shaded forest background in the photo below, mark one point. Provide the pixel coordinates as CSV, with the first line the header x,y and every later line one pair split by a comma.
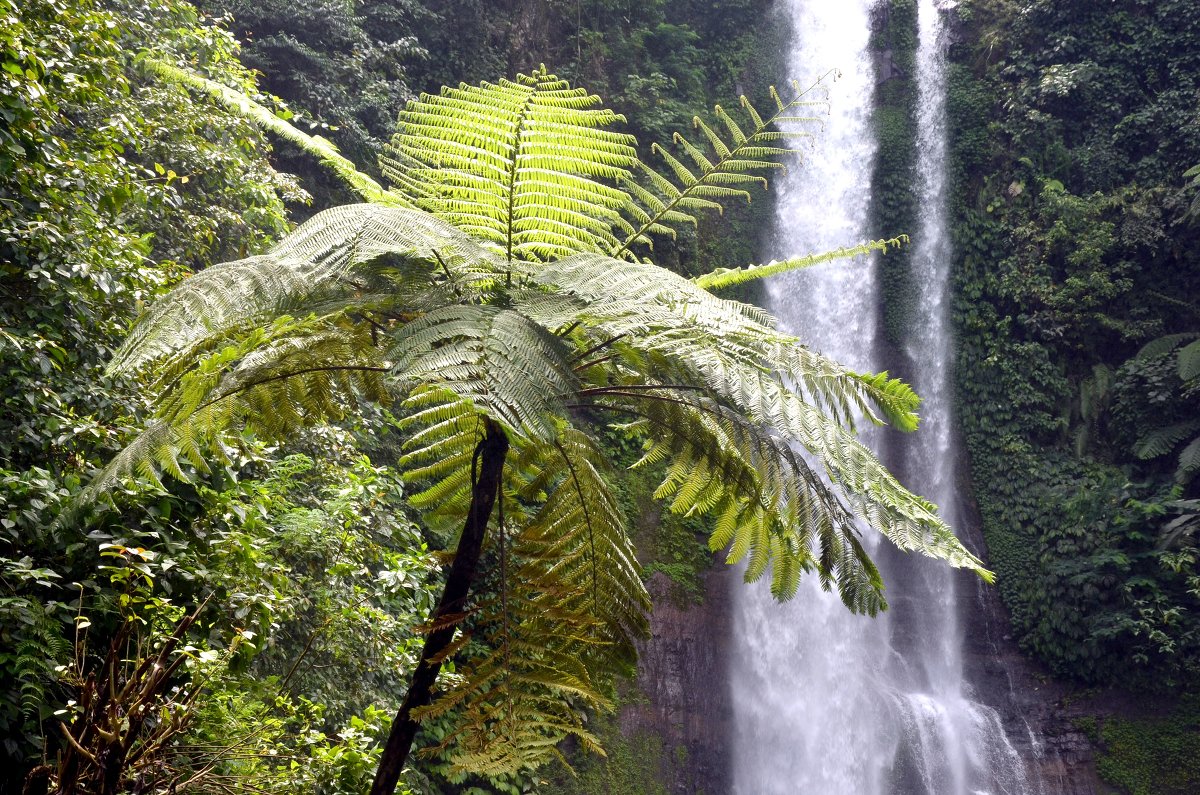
x,y
1075,125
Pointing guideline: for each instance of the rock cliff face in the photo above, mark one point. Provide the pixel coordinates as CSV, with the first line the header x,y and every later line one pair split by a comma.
x,y
682,673
1038,713
1034,708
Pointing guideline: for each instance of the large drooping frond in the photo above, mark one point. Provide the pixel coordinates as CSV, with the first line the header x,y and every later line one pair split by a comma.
x,y
769,504
567,603
657,310
562,621
273,380
746,394
317,262
528,166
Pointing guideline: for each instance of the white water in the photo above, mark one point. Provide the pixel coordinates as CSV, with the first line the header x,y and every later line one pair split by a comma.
x,y
826,702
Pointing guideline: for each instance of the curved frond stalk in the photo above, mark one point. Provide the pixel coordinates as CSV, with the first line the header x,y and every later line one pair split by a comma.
x,y
320,148
727,277
733,166
527,167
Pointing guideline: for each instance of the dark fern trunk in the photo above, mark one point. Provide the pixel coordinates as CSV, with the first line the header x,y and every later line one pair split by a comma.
x,y
489,456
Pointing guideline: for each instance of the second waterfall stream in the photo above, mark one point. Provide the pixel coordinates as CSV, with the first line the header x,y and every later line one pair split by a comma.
x,y
826,702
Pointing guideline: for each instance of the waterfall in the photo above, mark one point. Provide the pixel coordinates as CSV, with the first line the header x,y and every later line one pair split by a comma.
x,y
826,702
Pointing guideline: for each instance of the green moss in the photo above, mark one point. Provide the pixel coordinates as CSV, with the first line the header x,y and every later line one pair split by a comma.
x,y
633,766
1153,756
893,201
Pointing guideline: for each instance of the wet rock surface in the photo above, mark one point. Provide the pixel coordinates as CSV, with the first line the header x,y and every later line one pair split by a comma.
x,y
1038,713
683,676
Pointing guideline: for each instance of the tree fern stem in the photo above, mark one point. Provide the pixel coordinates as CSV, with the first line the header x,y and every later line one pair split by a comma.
x,y
599,347
489,455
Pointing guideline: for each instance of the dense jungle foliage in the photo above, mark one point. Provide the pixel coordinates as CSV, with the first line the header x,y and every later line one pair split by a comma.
x,y
1075,127
1076,137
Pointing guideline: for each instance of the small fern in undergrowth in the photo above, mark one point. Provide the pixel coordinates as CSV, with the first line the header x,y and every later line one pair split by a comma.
x,y
1182,434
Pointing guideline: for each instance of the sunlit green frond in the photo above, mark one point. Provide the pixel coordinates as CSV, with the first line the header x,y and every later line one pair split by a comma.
x,y
726,343
273,381
726,277
730,166
791,497
527,167
772,509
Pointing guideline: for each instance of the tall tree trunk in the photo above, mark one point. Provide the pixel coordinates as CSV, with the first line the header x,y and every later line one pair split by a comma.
x,y
490,455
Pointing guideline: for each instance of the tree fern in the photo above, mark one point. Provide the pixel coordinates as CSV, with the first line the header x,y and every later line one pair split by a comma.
x,y
495,292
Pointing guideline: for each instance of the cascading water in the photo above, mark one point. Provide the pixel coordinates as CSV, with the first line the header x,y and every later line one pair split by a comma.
x,y
826,702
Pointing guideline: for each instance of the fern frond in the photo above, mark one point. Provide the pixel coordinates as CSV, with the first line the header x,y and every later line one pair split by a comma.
x,y
1161,441
732,164
727,277
721,341
1189,361
772,507
320,148
316,261
274,381
509,367
1163,345
1189,462
515,163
